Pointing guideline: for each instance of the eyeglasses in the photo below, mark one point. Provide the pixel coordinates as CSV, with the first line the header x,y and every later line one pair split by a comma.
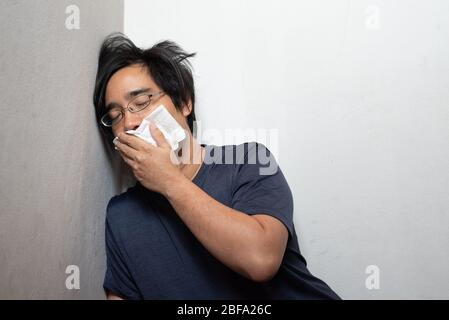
x,y
140,102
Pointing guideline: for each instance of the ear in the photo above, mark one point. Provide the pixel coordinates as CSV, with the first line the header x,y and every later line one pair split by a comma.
x,y
187,109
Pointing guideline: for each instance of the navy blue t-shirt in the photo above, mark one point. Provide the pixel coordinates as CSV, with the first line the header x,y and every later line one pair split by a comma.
x,y
151,254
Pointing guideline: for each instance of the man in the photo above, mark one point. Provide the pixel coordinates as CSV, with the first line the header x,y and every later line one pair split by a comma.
x,y
204,229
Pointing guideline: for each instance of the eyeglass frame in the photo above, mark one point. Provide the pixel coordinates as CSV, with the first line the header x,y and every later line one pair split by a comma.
x,y
122,110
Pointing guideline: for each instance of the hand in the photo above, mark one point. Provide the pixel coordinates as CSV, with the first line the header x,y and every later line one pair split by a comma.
x,y
155,167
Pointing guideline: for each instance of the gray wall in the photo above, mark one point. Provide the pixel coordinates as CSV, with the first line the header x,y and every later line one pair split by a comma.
x,y
55,177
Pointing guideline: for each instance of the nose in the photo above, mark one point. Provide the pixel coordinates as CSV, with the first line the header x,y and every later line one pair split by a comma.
x,y
131,120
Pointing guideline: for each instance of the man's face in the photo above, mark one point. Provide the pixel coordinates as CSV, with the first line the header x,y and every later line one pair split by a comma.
x,y
131,79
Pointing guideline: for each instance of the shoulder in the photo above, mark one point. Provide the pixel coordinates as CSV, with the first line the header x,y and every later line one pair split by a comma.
x,y
118,203
256,156
129,206
254,149
252,156
239,153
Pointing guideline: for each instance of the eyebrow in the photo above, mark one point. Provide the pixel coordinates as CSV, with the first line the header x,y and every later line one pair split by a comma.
x,y
128,96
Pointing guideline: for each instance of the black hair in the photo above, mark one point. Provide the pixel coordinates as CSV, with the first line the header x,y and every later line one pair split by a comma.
x,y
166,62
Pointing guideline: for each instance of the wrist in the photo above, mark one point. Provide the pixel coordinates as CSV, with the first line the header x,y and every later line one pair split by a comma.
x,y
174,186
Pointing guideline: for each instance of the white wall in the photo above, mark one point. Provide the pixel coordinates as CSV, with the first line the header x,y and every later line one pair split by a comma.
x,y
358,91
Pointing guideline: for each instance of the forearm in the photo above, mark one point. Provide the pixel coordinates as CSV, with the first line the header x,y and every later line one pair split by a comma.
x,y
233,237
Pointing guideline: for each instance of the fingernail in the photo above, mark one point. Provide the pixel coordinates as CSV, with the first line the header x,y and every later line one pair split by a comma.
x,y
115,140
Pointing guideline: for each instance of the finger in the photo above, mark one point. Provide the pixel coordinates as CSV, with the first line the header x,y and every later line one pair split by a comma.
x,y
128,160
131,140
157,135
125,149
174,158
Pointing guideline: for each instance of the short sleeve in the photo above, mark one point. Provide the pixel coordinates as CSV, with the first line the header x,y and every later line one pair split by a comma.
x,y
259,186
118,279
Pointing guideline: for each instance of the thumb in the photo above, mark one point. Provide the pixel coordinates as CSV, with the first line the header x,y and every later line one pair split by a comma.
x,y
157,135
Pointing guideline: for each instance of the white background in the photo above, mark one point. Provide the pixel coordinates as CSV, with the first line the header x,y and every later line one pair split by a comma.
x,y
359,92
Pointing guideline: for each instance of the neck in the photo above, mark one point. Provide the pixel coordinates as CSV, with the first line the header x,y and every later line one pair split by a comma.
x,y
192,156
